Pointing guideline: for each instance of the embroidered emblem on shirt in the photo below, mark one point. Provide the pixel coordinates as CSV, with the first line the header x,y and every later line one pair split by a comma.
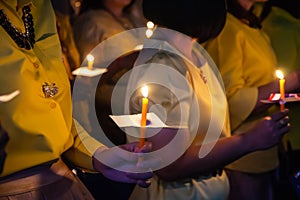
x,y
49,90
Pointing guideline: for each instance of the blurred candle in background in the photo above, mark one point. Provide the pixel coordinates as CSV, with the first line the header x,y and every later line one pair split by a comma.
x,y
150,29
90,59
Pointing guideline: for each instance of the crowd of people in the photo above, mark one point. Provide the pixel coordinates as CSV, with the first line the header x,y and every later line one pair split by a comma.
x,y
209,66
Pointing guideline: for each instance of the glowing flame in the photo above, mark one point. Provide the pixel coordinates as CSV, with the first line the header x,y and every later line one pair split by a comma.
x,y
145,91
279,74
90,58
150,25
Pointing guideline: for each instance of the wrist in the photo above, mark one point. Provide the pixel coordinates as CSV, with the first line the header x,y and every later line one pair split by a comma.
x,y
248,143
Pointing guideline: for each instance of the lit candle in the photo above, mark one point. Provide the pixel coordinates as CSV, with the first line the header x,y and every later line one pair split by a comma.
x,y
150,29
144,115
281,87
90,59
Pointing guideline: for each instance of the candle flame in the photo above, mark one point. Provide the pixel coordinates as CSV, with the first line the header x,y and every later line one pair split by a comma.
x,y
279,74
145,91
90,58
150,25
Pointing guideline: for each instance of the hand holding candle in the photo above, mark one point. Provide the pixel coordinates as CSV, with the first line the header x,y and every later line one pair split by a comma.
x,y
144,115
281,87
90,60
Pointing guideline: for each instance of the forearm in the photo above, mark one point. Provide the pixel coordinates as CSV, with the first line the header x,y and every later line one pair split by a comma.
x,y
265,134
224,152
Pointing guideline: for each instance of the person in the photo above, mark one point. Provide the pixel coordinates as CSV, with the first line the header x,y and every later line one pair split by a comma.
x,y
64,17
39,120
102,19
247,62
285,15
186,93
98,21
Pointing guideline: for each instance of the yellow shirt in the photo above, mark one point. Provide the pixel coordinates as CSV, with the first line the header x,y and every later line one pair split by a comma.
x,y
246,61
40,129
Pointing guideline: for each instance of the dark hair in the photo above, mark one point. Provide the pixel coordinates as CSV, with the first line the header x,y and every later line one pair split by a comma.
x,y
203,19
241,13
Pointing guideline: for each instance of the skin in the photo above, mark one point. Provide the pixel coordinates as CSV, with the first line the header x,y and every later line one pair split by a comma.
x,y
116,6
247,4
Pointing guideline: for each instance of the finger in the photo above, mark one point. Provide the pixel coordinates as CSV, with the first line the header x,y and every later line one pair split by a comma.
x,y
284,130
124,154
146,148
277,116
144,183
283,122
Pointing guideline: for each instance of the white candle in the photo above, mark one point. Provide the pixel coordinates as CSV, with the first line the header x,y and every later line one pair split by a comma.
x,y
150,29
90,59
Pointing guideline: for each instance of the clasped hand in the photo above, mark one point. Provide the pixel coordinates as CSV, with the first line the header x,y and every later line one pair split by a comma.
x,y
126,163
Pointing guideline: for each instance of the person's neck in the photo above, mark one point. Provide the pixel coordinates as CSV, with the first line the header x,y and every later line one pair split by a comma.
x,y
116,11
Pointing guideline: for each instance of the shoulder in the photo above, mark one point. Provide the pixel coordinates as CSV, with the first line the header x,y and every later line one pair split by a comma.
x,y
233,26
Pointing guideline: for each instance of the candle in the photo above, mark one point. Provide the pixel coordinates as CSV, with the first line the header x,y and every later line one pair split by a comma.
x,y
150,29
90,59
149,33
144,115
281,88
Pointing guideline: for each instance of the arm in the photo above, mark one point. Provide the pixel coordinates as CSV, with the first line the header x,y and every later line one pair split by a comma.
x,y
265,134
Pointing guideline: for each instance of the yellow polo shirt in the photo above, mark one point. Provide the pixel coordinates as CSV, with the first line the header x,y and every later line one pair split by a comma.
x,y
246,61
40,128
